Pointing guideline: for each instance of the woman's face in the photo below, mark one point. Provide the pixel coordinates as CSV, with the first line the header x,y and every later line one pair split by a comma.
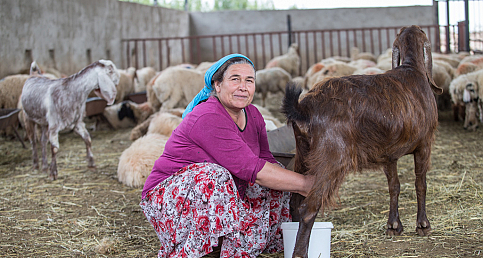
x,y
236,90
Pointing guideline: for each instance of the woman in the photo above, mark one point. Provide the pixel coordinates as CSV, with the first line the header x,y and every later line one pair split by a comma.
x,y
216,182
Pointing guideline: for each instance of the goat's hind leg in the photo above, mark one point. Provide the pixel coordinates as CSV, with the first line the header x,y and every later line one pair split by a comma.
x,y
43,142
421,163
30,130
81,130
394,225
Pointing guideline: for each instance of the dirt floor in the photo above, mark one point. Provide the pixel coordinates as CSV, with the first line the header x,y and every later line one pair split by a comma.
x,y
88,213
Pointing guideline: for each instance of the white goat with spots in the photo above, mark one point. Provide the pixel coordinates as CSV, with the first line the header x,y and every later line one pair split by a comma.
x,y
60,104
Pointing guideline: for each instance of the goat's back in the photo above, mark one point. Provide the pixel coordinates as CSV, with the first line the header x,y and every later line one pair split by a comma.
x,y
375,118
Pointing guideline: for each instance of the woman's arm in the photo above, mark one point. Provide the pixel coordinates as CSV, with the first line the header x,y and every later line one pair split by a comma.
x,y
278,178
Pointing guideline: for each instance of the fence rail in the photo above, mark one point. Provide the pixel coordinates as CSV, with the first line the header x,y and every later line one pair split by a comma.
x,y
314,45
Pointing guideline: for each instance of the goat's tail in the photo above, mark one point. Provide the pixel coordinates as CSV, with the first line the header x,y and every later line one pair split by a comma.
x,y
290,104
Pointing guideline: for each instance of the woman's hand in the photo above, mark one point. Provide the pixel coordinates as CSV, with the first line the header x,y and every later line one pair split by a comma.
x,y
277,178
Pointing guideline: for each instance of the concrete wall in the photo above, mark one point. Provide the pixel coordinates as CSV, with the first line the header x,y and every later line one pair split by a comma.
x,y
312,19
68,34
238,22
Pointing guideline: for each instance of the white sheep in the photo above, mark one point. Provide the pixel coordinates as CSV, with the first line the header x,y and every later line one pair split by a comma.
x,y
161,122
442,78
470,64
204,66
335,69
271,122
164,123
473,104
11,90
126,83
457,89
126,114
143,76
175,87
290,61
60,104
136,162
369,71
453,60
357,55
272,80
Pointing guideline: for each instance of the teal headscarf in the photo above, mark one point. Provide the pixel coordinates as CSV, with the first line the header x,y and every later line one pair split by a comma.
x,y
206,91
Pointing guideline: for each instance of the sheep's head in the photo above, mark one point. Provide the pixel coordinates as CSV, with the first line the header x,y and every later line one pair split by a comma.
x,y
35,69
471,98
411,46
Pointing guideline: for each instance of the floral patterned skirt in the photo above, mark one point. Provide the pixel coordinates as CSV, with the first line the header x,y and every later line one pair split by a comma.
x,y
194,207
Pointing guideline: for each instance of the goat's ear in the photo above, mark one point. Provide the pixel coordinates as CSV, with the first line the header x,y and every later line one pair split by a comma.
x,y
106,86
395,57
428,63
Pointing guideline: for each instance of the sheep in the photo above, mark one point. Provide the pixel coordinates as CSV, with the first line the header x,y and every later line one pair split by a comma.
x,y
271,80
357,55
143,76
11,90
369,70
300,81
335,69
60,104
125,114
204,66
443,79
136,162
473,106
164,122
457,89
290,61
271,122
174,87
453,60
470,64
126,83
384,60
361,122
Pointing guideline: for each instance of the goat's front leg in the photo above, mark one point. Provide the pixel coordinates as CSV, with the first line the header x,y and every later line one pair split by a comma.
x,y
81,130
308,213
394,225
295,201
421,163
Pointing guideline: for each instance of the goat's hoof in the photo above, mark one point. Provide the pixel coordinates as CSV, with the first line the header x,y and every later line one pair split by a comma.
x,y
92,168
426,231
394,230
53,177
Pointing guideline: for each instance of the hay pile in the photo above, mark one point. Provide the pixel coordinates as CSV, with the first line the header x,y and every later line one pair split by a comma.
x,y
89,213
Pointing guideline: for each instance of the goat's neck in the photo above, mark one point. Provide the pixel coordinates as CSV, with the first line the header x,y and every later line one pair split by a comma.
x,y
413,58
84,83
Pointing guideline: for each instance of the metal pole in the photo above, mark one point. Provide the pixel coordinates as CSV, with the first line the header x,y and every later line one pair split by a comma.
x,y
448,37
289,25
467,25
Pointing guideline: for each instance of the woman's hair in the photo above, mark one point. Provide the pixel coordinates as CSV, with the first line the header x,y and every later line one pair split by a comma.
x,y
220,73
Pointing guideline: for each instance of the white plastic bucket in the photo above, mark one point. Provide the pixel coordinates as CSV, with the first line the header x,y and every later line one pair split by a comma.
x,y
319,245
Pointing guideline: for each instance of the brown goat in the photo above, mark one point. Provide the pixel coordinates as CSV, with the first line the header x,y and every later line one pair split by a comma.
x,y
359,122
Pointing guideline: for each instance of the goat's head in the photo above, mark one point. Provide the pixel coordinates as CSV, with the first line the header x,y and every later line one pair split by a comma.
x,y
412,46
107,79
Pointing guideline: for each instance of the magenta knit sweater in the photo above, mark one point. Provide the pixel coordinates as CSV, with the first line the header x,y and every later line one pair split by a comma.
x,y
208,134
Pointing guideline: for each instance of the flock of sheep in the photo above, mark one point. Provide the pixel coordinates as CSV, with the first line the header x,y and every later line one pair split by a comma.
x,y
169,91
